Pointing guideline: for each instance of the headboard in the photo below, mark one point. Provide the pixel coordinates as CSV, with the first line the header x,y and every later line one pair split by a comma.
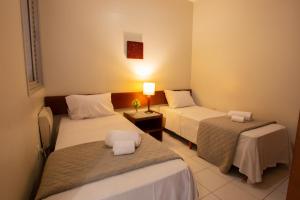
x,y
59,106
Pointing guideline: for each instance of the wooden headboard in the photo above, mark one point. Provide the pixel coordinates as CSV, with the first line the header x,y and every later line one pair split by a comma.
x,y
59,106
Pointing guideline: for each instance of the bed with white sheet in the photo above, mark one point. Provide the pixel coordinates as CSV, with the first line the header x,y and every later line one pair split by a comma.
x,y
164,181
257,149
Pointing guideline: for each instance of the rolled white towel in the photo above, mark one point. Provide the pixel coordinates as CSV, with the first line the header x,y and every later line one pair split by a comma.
x,y
237,118
123,147
246,115
119,135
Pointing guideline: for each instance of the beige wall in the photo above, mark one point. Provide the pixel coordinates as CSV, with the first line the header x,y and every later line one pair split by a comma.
x,y
18,122
83,44
246,57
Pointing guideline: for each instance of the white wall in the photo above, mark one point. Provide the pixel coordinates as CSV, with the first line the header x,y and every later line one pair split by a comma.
x,y
246,56
19,136
83,44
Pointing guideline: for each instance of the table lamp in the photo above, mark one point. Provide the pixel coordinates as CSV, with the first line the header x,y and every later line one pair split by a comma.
x,y
149,90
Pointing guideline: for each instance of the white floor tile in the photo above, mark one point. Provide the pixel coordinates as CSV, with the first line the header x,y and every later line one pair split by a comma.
x,y
211,197
195,164
184,156
202,191
186,151
284,186
232,192
170,141
272,179
280,192
214,185
210,180
276,195
233,174
201,161
216,171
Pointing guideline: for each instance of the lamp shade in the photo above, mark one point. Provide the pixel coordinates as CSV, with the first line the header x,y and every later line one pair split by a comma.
x,y
149,88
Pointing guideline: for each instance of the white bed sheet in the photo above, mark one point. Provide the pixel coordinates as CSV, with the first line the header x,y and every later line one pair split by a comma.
x,y
74,132
256,150
168,180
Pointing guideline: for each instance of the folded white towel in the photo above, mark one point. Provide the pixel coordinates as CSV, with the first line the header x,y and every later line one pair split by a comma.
x,y
236,118
247,115
118,135
123,147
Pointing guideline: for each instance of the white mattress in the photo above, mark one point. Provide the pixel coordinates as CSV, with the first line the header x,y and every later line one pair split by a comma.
x,y
168,180
256,150
73,132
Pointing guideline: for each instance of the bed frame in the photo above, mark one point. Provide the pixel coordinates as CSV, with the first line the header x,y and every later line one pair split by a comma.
x,y
59,106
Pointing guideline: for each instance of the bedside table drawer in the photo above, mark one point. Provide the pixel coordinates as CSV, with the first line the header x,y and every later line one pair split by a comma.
x,y
149,124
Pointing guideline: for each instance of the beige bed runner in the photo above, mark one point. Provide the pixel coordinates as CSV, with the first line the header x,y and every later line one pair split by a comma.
x,y
218,137
78,165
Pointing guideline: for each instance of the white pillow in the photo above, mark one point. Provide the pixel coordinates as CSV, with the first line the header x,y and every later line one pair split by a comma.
x,y
179,99
45,119
89,106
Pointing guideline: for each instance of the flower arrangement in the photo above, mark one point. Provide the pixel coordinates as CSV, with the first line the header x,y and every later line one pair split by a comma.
x,y
136,104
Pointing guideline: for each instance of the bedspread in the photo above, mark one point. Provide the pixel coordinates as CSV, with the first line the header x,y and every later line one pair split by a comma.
x,y
81,164
218,138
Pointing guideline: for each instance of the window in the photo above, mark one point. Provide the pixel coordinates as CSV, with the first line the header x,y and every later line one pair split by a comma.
x,y
32,49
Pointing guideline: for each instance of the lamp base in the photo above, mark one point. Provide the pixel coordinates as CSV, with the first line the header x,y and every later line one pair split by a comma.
x,y
149,112
148,103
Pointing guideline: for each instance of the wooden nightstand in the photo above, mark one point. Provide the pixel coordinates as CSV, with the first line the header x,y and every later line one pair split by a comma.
x,y
150,123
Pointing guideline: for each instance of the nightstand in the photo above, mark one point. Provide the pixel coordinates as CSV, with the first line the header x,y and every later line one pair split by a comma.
x,y
150,123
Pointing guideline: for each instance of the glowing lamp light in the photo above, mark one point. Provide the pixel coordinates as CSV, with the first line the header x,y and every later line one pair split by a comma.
x,y
149,90
143,72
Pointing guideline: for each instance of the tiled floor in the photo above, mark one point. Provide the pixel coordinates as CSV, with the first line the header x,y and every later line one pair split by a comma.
x,y
213,185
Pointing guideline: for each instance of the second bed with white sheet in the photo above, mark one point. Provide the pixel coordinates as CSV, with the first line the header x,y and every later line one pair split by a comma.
x,y
257,149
